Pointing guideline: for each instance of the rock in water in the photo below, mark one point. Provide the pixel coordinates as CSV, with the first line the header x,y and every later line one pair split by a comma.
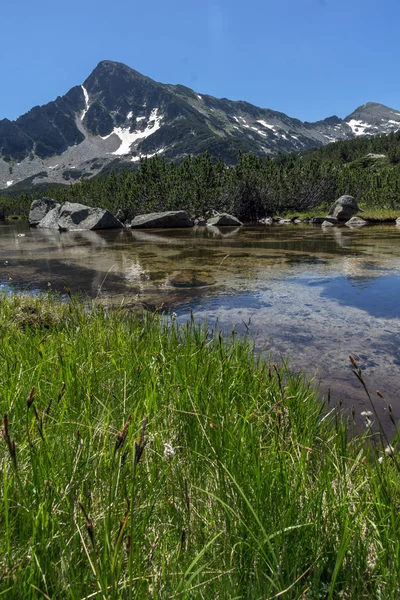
x,y
170,219
326,224
224,220
50,221
356,222
39,209
75,217
320,220
344,208
189,278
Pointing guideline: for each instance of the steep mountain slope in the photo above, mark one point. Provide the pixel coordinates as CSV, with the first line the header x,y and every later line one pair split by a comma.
x,y
119,115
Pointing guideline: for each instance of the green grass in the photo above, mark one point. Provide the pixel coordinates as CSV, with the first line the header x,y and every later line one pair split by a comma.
x,y
375,213
152,460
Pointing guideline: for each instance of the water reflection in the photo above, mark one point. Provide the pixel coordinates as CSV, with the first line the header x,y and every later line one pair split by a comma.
x,y
315,294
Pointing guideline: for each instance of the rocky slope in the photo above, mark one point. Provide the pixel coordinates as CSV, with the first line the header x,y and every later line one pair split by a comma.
x,y
119,115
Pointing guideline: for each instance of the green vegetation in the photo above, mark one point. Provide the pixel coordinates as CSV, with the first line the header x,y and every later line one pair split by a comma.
x,y
144,459
366,168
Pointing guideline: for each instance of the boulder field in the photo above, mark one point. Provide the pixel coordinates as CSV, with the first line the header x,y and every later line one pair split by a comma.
x,y
46,213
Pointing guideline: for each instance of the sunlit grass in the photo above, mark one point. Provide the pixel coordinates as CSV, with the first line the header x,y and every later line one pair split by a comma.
x,y
144,459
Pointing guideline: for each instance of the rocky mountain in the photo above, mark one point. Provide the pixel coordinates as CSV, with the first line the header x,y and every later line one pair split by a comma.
x,y
118,116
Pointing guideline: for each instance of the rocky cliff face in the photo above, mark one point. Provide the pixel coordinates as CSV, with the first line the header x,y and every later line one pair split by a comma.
x,y
118,116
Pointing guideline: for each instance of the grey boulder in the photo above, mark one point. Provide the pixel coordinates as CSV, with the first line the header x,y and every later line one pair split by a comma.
x,y
77,217
39,209
356,222
50,221
398,222
170,219
320,220
224,220
344,208
326,224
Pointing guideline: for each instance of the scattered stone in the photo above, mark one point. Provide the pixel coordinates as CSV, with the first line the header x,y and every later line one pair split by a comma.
x,y
326,224
75,217
297,221
398,222
224,220
320,220
344,208
200,222
170,219
190,278
39,209
356,222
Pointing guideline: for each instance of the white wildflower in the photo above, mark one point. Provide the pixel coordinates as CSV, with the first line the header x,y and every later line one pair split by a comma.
x,y
366,413
381,459
389,450
169,452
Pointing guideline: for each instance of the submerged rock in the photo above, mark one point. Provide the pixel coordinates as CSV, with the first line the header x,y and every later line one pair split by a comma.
x,y
344,208
190,278
326,224
39,209
224,220
170,219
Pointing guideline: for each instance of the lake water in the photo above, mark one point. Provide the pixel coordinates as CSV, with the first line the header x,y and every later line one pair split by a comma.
x,y
313,295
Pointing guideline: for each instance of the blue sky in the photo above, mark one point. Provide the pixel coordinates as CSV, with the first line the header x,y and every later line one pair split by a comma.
x,y
307,58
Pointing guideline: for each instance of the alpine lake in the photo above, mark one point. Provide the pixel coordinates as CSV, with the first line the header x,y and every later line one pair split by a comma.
x,y
309,295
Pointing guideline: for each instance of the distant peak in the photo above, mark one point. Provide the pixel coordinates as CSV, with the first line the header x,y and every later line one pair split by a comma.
x,y
111,64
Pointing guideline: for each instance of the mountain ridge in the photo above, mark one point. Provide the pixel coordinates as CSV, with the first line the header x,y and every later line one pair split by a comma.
x,y
119,115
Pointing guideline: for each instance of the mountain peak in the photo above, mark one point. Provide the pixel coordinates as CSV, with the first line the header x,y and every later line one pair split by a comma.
x,y
119,115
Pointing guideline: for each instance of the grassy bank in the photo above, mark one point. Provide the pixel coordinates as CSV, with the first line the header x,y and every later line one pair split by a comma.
x,y
372,213
154,461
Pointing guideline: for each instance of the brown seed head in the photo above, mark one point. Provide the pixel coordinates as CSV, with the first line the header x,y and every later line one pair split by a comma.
x,y
31,397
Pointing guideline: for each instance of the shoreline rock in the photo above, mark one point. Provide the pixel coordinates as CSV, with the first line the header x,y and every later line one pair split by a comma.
x,y
169,219
224,220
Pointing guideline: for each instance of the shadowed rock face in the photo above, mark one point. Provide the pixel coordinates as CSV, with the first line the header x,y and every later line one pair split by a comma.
x,y
344,208
170,219
39,209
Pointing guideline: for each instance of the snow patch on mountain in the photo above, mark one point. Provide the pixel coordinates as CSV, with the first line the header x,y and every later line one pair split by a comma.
x,y
137,158
127,138
264,124
357,127
86,96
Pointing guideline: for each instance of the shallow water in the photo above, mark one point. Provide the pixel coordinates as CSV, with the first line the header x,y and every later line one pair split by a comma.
x,y
311,294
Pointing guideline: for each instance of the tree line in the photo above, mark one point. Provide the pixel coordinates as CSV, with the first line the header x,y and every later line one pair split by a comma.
x,y
367,168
